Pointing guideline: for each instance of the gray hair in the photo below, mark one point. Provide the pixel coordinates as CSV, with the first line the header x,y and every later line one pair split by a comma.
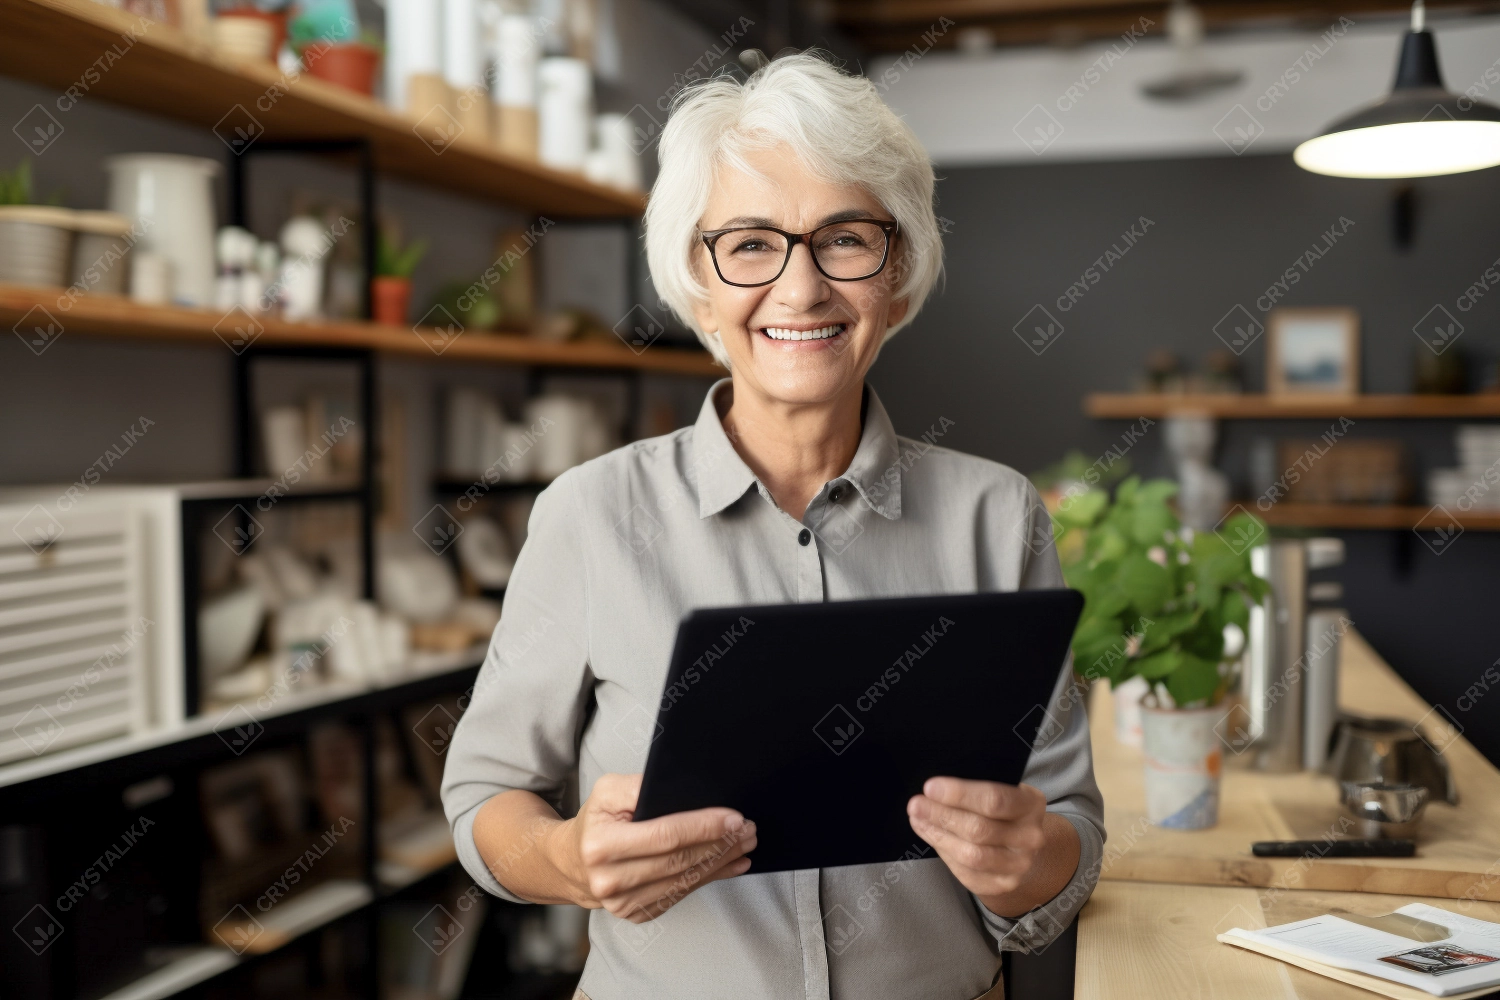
x,y
841,131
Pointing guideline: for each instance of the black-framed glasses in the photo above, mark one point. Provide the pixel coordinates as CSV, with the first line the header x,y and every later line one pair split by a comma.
x,y
750,256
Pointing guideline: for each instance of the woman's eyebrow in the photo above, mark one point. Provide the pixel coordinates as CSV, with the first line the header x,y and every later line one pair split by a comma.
x,y
759,220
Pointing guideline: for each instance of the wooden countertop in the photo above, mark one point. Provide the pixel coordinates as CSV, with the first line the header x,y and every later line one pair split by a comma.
x,y
1458,847
1155,940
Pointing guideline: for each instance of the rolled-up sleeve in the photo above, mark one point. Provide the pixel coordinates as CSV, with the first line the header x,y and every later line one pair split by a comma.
x,y
1061,767
521,725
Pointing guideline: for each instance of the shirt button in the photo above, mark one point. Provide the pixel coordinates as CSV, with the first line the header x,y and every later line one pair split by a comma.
x,y
804,536
836,494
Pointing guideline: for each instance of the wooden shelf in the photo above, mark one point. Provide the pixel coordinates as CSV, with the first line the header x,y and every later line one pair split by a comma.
x,y
1371,516
1130,406
163,71
112,316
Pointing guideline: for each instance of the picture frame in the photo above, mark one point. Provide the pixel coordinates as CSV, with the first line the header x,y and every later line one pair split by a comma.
x,y
1313,352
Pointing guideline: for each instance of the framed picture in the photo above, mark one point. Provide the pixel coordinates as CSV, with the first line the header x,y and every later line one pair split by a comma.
x,y
1313,352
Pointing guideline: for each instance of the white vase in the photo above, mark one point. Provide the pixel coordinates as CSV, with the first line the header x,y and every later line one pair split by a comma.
x,y
565,102
169,199
1184,761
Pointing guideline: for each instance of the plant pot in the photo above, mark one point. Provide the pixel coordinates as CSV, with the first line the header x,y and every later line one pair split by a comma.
x,y
350,65
101,253
1184,761
35,244
246,37
390,300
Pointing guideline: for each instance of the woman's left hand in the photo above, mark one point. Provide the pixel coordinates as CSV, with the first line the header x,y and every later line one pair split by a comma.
x,y
990,835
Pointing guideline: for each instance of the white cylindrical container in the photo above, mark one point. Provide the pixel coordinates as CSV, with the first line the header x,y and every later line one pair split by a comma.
x,y
414,44
1183,765
516,54
150,278
617,155
1127,699
169,199
463,45
565,107
557,420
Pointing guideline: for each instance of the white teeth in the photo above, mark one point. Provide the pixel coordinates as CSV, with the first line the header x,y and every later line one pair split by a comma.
x,y
822,333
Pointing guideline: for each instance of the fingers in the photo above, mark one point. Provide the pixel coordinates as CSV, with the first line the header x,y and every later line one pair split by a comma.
x,y
613,878
609,842
642,902
986,798
980,859
616,793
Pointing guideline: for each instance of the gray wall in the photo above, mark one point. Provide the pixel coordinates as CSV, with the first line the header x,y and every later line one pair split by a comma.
x,y
1223,230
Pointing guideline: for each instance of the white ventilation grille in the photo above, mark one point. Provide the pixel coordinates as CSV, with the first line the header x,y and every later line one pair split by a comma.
x,y
72,638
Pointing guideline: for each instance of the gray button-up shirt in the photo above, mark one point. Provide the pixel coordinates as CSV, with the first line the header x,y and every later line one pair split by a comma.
x,y
619,550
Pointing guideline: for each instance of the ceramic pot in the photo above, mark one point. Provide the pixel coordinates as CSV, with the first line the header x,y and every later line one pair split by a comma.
x,y
170,199
1184,761
101,252
243,38
351,66
390,300
35,242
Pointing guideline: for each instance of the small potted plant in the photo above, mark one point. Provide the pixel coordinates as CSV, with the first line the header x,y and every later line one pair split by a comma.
x,y
1160,602
35,240
390,289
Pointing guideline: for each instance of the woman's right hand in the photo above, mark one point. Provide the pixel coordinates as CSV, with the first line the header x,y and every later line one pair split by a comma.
x,y
638,871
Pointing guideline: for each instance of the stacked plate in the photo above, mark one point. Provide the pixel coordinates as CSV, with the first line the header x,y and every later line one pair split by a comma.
x,y
35,244
1475,484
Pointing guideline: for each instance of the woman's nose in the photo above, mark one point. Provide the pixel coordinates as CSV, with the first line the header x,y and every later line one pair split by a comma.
x,y
801,286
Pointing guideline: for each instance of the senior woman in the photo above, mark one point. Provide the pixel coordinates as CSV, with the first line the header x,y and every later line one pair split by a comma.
x,y
792,225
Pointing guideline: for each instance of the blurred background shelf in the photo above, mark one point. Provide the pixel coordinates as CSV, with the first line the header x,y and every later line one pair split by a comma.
x,y
53,42
1372,516
113,316
1129,406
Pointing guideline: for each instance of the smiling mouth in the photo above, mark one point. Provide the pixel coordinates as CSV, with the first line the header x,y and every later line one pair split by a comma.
x,y
821,333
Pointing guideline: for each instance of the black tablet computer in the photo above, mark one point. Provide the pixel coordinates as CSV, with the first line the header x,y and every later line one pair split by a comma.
x,y
820,721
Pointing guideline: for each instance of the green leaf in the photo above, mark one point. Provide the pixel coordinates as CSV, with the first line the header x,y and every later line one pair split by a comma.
x,y
1195,679
1157,491
1205,641
1148,584
1125,492
1081,510
1152,522
1163,629
1233,609
1158,665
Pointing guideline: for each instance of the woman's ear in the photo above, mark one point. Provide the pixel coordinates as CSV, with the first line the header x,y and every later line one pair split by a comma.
x,y
897,312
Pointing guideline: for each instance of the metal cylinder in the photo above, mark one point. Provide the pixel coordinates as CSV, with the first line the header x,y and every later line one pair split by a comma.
x,y
1276,657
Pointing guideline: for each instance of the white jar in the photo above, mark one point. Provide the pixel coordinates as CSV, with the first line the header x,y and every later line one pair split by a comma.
x,y
565,106
169,200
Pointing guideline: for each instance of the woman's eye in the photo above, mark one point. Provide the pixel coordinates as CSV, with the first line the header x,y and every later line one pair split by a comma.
x,y
751,246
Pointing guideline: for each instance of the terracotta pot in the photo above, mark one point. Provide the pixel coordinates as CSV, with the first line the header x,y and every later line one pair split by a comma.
x,y
390,300
349,65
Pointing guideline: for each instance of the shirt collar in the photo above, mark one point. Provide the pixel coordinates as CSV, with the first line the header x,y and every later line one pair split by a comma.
x,y
723,477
